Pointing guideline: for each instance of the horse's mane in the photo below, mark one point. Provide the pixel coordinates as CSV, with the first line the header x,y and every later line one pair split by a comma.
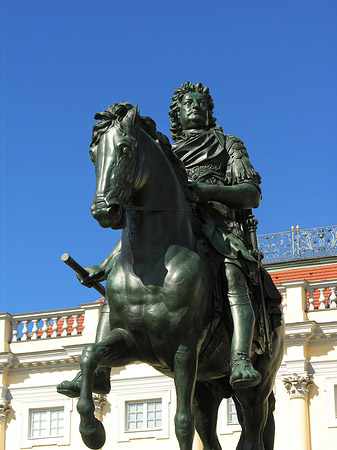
x,y
116,113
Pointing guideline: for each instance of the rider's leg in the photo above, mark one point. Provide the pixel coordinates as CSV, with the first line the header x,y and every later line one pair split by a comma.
x,y
102,374
243,374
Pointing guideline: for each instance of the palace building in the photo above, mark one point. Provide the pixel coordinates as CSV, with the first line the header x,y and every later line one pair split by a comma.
x,y
39,350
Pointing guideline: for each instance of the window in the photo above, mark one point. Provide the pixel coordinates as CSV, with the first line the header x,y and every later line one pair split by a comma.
x,y
144,415
46,423
45,417
227,418
232,417
331,384
144,412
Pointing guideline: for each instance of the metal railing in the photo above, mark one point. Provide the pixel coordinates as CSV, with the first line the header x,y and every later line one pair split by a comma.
x,y
298,244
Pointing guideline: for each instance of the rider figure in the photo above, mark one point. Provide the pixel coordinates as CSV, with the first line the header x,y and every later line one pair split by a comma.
x,y
223,183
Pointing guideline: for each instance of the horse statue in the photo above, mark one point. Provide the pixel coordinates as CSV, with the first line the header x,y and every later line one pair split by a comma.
x,y
160,293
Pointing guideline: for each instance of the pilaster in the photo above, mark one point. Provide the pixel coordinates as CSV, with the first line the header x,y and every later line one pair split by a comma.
x,y
5,408
92,314
298,387
5,331
296,300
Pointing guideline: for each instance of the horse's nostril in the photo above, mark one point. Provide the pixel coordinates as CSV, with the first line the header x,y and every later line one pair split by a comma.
x,y
114,209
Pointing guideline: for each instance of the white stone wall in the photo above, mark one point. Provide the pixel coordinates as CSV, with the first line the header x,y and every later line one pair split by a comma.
x,y
306,403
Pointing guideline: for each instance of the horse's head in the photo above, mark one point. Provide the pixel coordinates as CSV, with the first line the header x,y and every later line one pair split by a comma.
x,y
115,165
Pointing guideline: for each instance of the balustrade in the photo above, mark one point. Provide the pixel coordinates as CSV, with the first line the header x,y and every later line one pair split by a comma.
x,y
322,295
47,324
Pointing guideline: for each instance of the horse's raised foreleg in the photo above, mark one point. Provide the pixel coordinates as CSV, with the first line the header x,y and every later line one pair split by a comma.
x,y
91,429
185,367
113,351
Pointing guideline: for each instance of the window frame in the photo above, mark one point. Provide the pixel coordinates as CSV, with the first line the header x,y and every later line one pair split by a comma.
x,y
27,441
224,426
48,411
145,411
331,392
125,435
230,403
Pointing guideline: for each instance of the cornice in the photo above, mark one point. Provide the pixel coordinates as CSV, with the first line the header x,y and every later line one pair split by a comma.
x,y
295,283
6,359
310,332
300,264
69,355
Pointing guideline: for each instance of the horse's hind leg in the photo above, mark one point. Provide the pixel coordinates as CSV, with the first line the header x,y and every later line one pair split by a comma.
x,y
205,409
254,408
114,350
269,429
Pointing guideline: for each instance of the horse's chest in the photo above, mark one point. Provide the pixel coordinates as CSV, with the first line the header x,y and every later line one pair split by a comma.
x,y
134,304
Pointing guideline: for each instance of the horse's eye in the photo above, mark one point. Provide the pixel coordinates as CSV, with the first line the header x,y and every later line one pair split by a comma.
x,y
126,150
92,155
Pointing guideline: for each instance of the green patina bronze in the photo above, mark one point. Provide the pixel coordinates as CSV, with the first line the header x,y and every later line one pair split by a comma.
x,y
185,290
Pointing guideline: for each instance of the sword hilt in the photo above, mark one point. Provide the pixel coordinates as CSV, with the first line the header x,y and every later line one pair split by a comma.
x,y
67,259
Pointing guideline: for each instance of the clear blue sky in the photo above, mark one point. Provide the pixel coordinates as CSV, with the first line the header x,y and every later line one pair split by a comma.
x,y
270,66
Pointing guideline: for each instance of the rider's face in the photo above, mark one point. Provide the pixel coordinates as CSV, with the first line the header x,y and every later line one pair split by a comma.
x,y
193,111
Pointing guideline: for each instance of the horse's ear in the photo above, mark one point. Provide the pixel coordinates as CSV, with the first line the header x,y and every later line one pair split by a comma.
x,y
131,117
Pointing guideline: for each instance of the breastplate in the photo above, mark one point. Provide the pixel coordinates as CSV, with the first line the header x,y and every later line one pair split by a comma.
x,y
213,171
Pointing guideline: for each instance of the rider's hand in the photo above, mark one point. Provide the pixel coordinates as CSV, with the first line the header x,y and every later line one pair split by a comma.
x,y
96,273
199,192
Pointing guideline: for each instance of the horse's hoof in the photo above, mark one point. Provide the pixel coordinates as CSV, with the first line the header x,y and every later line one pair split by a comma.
x,y
69,388
94,437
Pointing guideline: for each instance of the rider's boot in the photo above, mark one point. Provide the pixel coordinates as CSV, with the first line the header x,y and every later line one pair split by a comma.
x,y
73,388
243,375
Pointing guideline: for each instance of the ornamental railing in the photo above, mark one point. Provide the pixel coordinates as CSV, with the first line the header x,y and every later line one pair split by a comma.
x,y
298,244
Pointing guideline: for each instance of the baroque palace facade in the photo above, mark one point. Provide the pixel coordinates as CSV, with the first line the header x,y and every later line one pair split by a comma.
x,y
39,350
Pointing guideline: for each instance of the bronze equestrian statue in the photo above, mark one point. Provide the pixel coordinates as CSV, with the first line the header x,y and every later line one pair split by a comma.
x,y
185,264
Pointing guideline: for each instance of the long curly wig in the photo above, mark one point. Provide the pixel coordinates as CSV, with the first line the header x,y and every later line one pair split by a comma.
x,y
178,95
